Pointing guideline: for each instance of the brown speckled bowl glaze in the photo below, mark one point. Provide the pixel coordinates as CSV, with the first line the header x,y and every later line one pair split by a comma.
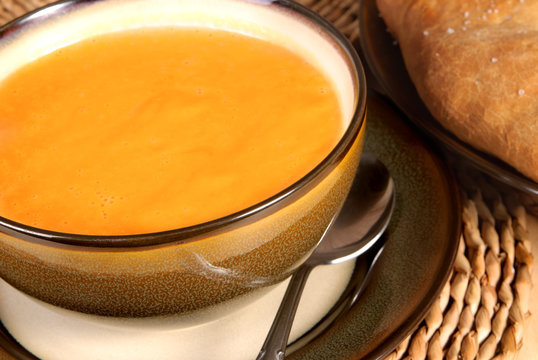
x,y
192,268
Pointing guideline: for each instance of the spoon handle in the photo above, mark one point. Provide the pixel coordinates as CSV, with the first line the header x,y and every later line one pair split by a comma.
x,y
276,341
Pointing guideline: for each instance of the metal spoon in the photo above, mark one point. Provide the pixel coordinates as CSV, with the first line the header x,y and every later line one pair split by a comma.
x,y
363,219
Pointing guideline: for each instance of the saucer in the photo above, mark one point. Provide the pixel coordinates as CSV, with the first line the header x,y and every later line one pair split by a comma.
x,y
332,322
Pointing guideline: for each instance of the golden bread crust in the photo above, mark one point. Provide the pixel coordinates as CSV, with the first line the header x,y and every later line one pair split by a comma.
x,y
475,66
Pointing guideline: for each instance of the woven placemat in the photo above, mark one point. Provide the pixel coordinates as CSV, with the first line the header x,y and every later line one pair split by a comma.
x,y
483,310
484,307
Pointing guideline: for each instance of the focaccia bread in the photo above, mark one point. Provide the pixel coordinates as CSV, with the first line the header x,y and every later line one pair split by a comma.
x,y
475,66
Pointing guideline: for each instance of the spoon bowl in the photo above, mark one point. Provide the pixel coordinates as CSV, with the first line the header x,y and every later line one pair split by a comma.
x,y
364,216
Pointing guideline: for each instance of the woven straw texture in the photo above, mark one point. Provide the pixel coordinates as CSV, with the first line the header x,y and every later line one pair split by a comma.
x,y
483,309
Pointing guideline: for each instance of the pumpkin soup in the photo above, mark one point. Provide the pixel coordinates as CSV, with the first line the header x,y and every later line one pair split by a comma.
x,y
154,129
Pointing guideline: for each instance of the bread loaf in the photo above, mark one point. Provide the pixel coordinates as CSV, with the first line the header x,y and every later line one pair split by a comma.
x,y
475,66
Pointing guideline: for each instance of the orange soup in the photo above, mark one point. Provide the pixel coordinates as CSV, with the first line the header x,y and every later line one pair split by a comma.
x,y
155,129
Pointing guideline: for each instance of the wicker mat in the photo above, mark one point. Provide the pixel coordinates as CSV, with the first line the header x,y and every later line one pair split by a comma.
x,y
483,309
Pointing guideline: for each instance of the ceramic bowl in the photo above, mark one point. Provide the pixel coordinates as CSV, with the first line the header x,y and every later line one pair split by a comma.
x,y
188,269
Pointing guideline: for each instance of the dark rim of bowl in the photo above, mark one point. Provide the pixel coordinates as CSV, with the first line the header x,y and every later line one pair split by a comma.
x,y
190,233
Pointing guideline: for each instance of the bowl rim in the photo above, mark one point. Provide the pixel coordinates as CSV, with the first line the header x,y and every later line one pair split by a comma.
x,y
225,223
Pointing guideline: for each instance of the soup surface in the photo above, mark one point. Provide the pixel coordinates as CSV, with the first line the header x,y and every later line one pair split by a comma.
x,y
154,129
